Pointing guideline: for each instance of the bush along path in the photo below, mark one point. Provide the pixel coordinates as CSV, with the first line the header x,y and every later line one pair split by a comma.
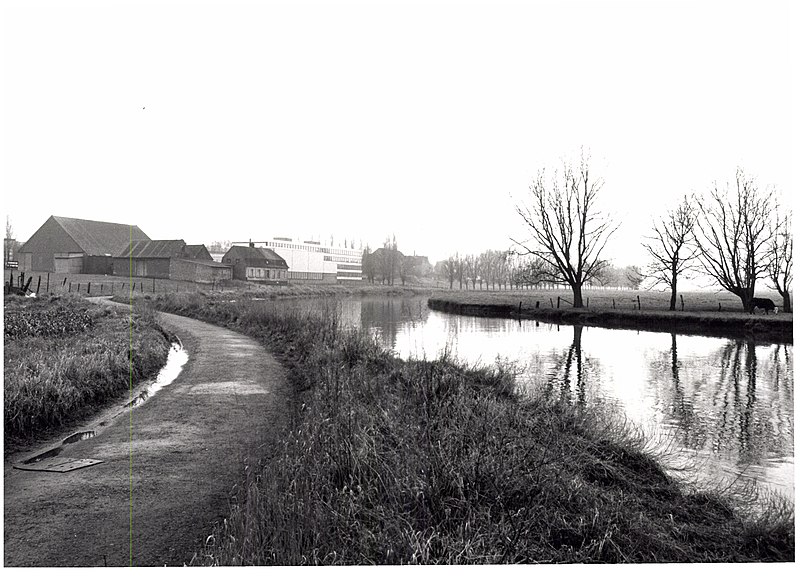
x,y
391,462
169,465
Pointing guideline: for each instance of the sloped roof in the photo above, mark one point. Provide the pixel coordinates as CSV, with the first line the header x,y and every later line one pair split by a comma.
x,y
153,249
273,259
251,256
97,238
197,252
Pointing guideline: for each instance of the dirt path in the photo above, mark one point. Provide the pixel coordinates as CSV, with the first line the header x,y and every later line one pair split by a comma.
x,y
181,453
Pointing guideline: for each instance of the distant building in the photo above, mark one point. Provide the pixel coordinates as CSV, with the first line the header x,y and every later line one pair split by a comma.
x,y
310,261
76,246
10,249
169,259
256,264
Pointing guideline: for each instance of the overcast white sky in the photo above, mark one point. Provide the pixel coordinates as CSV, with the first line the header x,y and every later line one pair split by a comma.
x,y
228,121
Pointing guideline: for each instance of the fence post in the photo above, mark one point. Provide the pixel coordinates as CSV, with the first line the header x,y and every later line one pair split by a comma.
x,y
639,302
520,308
720,306
39,283
11,279
48,283
88,288
681,302
154,285
537,305
70,285
79,287
614,303
558,303
587,302
64,283
551,303
141,286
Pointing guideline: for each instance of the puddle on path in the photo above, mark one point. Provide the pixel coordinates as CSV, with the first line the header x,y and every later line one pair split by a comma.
x,y
176,359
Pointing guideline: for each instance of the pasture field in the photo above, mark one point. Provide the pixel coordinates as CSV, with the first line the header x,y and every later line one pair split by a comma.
x,y
608,299
64,357
389,461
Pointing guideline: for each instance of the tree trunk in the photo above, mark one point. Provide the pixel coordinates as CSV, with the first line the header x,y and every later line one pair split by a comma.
x,y
577,297
673,297
787,301
746,296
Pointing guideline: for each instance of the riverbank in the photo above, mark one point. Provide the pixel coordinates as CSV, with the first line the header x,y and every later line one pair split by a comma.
x,y
389,461
725,324
65,357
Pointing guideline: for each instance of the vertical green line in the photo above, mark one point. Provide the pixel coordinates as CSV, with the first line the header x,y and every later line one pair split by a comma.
x,y
130,395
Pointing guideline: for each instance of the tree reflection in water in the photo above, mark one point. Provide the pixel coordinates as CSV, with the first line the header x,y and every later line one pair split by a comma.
x,y
733,403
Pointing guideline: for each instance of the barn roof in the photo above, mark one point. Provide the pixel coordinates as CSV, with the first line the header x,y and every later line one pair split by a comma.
x,y
197,252
97,238
153,249
273,259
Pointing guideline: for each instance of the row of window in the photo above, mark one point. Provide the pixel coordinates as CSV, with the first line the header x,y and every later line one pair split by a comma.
x,y
342,259
311,248
305,275
356,267
266,274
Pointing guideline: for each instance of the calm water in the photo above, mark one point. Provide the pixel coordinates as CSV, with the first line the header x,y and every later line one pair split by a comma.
x,y
725,404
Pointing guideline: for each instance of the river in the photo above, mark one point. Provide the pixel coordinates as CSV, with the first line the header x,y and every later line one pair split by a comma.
x,y
723,407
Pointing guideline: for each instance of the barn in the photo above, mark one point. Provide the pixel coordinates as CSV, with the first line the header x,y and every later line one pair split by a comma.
x,y
256,265
76,246
169,259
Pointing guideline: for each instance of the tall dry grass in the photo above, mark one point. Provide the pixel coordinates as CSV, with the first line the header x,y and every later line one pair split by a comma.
x,y
394,462
64,357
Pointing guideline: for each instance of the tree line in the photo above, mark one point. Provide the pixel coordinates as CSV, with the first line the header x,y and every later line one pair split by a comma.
x,y
507,269
737,235
388,265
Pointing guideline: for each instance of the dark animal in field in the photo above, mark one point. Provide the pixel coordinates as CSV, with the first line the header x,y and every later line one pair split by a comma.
x,y
764,303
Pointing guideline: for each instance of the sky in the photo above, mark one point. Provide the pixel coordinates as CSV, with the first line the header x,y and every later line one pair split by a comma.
x,y
245,120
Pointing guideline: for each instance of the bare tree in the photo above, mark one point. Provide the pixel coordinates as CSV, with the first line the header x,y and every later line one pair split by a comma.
x,y
450,268
780,260
471,269
368,264
670,249
568,234
733,234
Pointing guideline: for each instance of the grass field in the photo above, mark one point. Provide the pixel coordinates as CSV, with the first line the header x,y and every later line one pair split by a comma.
x,y
608,299
64,357
430,462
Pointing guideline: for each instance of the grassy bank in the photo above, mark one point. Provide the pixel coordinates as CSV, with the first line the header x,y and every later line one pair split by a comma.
x,y
64,357
391,462
654,315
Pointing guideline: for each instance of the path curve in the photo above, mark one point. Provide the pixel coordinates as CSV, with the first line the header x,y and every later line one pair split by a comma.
x,y
189,445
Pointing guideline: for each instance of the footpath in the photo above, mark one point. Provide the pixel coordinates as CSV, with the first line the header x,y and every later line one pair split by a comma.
x,y
169,466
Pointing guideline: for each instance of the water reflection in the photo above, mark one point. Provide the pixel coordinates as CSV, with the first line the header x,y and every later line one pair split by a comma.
x,y
727,405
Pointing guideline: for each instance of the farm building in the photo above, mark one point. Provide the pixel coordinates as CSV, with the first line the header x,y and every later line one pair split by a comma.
x,y
76,246
171,259
256,264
